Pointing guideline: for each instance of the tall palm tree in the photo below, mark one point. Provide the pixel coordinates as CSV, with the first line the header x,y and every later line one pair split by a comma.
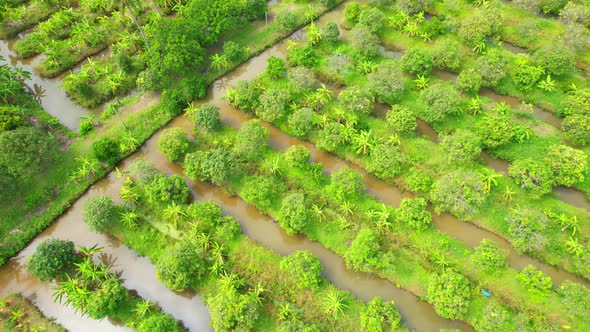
x,y
174,212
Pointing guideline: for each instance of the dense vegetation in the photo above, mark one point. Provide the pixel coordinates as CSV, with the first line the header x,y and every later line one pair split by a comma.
x,y
477,111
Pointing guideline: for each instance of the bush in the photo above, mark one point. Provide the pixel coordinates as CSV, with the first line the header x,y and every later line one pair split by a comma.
x,y
261,191
251,141
163,190
331,136
462,146
447,55
364,42
354,100
364,252
495,130
488,256
575,299
438,101
535,281
418,181
294,216
416,61
567,164
276,67
303,78
469,80
303,56
345,184
297,155
525,228
556,59
385,161
304,267
533,175
386,83
577,129
207,117
494,318
525,76
174,143
460,193
107,300
330,33
352,11
215,166
414,213
286,20
234,51
182,267
25,151
486,22
401,119
450,293
379,316
373,19
10,118
244,95
106,150
99,212
274,104
301,122
159,322
492,67
412,7
173,101
232,311
143,171
52,258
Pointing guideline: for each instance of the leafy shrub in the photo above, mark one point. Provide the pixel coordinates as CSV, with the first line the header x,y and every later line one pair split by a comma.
x,y
301,122
345,184
276,67
99,212
488,256
297,155
385,161
232,311
215,166
575,298
459,193
244,95
450,293
106,150
143,171
330,33
401,119
182,266
556,59
373,19
234,51
207,117
303,56
159,322
469,80
286,20
364,252
10,118
418,181
193,88
352,11
525,227
261,191
294,216
567,164
364,42
535,281
302,77
495,130
52,258
492,67
577,129
414,213
331,136
107,299
251,141
417,62
274,104
533,175
174,143
354,100
165,190
25,151
173,101
494,318
438,102
379,316
386,83
304,267
525,76
447,55
486,22
460,147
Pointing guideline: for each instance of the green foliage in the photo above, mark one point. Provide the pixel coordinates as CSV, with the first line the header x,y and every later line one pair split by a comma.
x,y
533,175
143,171
495,130
274,104
182,267
380,316
535,281
345,184
486,22
301,122
207,117
459,193
450,293
159,322
331,136
414,213
401,119
297,156
556,59
352,11
286,20
163,190
276,67
364,252
302,78
577,129
330,33
107,299
386,83
10,118
418,181
494,318
106,150
525,228
216,165
244,95
577,102
232,311
373,19
261,191
412,7
99,212
567,164
174,143
385,161
303,56
575,298
294,215
416,61
304,267
251,141
234,51
462,146
25,151
364,42
525,76
469,80
52,258
447,55
438,101
488,256
492,67
354,100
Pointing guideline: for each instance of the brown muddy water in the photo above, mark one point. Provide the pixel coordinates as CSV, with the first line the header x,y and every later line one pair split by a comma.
x,y
53,99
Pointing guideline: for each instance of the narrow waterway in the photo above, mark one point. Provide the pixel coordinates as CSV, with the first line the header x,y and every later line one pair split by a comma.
x,y
53,98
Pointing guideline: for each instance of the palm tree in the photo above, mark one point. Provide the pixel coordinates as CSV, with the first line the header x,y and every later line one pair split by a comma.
x,y
548,85
129,218
334,303
128,142
368,66
287,312
174,212
219,62
574,247
318,212
127,3
313,34
508,194
346,209
421,82
142,308
489,179
411,29
364,142
90,251
310,13
474,105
